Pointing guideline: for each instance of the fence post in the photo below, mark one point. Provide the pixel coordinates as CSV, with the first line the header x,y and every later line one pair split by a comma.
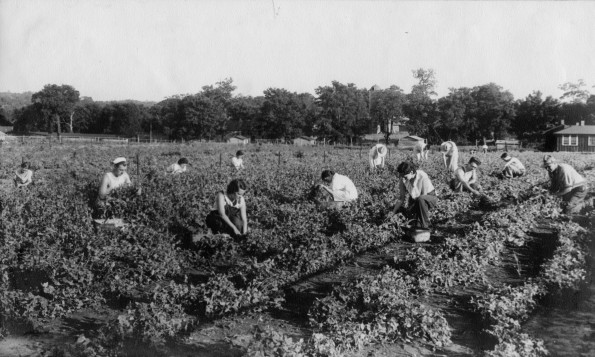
x,y
324,156
220,159
360,151
279,158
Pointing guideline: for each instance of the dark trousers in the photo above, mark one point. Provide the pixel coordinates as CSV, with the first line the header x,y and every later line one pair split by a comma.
x,y
419,209
217,225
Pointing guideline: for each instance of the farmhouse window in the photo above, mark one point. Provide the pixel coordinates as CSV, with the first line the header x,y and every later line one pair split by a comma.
x,y
591,141
570,140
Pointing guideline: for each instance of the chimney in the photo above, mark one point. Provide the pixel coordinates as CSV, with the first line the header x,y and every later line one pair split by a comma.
x,y
562,122
582,123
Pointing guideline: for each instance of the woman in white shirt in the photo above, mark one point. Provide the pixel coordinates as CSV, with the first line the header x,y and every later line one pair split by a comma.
x,y
115,179
340,187
450,154
417,196
238,160
421,151
376,155
23,176
180,167
229,211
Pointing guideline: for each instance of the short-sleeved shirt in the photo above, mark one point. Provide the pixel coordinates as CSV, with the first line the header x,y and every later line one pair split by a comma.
x,y
421,185
515,164
449,148
117,182
565,176
237,162
468,176
176,169
24,177
377,154
419,146
344,183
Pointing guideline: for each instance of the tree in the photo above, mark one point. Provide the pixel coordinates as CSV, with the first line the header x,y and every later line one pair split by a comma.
x,y
492,110
452,123
57,104
386,107
420,108
343,111
533,114
283,114
574,92
29,119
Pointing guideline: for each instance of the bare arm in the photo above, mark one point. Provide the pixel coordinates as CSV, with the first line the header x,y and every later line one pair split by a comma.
x,y
461,178
104,191
244,218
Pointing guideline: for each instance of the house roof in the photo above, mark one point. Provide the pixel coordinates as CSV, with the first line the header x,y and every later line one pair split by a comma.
x,y
414,138
306,138
239,137
577,130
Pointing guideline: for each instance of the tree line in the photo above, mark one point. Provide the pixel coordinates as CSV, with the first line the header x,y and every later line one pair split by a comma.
x,y
338,112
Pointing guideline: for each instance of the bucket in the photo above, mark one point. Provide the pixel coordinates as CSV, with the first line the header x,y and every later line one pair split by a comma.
x,y
419,235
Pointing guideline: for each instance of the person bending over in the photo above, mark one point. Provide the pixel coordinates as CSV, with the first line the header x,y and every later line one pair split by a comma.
x,y
417,196
229,211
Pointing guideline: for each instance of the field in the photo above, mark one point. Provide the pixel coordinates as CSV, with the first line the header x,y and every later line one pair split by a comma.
x,y
304,282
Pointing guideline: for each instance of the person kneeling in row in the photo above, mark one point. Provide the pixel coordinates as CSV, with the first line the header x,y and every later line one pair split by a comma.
x,y
513,167
229,212
23,176
340,187
466,178
567,184
416,194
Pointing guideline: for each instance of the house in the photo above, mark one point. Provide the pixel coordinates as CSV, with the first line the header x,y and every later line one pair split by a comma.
x,y
238,139
409,142
550,140
304,141
508,144
2,136
576,138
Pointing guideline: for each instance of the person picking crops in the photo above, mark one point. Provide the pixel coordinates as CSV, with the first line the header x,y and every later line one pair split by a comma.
x,y
450,154
466,178
376,155
340,187
180,167
238,160
417,196
23,176
115,179
513,166
229,211
567,184
421,151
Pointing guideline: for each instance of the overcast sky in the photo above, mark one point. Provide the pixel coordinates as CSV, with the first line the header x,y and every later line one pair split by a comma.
x,y
151,49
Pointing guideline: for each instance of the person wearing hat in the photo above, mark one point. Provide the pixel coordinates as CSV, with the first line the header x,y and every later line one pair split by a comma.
x,y
340,187
450,154
23,176
421,150
416,194
179,167
567,184
513,166
376,155
115,179
238,160
484,148
466,178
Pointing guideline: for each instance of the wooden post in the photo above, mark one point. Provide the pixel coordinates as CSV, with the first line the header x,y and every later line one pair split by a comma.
x,y
324,156
137,168
279,158
220,159
360,152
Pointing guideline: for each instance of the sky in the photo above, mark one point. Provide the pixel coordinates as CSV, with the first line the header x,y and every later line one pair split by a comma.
x,y
151,49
